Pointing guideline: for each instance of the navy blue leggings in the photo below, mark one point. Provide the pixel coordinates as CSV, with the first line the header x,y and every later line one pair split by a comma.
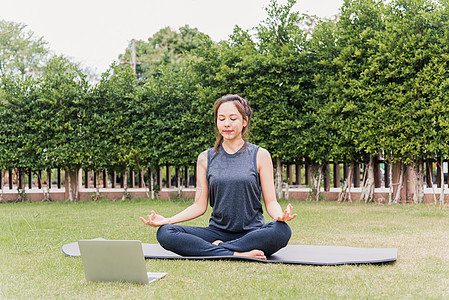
x,y
197,241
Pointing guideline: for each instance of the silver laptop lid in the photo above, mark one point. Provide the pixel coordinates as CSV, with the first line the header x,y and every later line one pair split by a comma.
x,y
113,260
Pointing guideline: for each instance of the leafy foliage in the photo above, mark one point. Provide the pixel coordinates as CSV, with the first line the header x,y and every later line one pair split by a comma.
x,y
111,111
372,81
174,118
63,90
166,47
20,134
21,52
407,73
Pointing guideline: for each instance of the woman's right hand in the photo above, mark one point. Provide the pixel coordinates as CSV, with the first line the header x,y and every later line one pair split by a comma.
x,y
155,220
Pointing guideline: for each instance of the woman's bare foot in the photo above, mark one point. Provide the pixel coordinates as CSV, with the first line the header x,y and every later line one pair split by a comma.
x,y
253,254
217,242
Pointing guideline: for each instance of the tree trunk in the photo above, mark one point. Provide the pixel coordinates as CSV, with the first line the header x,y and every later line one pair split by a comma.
x,y
72,184
390,190
440,161
125,185
21,186
367,193
286,191
76,176
69,185
1,187
345,193
278,182
178,182
397,196
44,193
429,167
418,178
97,186
47,193
152,184
144,185
317,175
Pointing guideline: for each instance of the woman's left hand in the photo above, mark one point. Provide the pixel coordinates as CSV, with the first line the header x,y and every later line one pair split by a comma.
x,y
287,215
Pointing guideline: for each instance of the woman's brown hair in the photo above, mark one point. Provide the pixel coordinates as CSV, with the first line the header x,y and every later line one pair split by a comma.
x,y
243,108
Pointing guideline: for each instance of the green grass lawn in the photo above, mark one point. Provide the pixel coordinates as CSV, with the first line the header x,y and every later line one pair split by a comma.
x,y
33,266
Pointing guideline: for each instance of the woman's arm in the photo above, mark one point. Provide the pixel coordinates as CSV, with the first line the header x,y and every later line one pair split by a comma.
x,y
265,168
195,210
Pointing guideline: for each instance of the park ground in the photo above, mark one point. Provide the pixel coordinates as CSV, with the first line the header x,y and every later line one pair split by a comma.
x,y
33,266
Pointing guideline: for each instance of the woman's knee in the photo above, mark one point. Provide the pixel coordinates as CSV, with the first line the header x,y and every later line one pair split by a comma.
x,y
164,233
282,231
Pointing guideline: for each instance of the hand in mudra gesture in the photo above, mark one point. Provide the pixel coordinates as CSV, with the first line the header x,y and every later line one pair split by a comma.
x,y
154,220
287,215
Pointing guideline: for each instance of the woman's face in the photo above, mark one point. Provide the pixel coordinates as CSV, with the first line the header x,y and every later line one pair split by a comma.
x,y
230,122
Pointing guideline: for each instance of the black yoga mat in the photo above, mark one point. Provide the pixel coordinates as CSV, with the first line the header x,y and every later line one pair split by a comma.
x,y
292,254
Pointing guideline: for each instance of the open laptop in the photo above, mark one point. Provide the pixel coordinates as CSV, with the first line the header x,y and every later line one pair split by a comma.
x,y
114,260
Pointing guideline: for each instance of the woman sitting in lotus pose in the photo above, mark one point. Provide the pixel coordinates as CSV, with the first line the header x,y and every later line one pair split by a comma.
x,y
233,175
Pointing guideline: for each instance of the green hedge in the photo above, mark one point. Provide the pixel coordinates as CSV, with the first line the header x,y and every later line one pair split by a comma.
x,y
373,81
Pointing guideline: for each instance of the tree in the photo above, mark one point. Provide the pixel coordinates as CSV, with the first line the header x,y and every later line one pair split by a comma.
x,y
21,52
407,77
325,113
62,92
287,123
20,132
176,126
347,111
166,47
111,110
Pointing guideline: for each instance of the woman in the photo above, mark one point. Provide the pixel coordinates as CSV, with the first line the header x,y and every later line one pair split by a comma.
x,y
233,175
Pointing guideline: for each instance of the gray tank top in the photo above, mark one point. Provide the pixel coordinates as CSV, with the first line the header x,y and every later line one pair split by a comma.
x,y
234,189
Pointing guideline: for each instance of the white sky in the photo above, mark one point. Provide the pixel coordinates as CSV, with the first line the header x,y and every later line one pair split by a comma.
x,y
95,32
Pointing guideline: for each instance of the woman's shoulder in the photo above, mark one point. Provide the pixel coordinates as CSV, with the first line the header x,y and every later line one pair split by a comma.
x,y
209,152
202,159
258,148
264,153
204,154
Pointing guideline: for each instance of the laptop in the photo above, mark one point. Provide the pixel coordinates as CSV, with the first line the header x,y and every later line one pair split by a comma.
x,y
115,260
